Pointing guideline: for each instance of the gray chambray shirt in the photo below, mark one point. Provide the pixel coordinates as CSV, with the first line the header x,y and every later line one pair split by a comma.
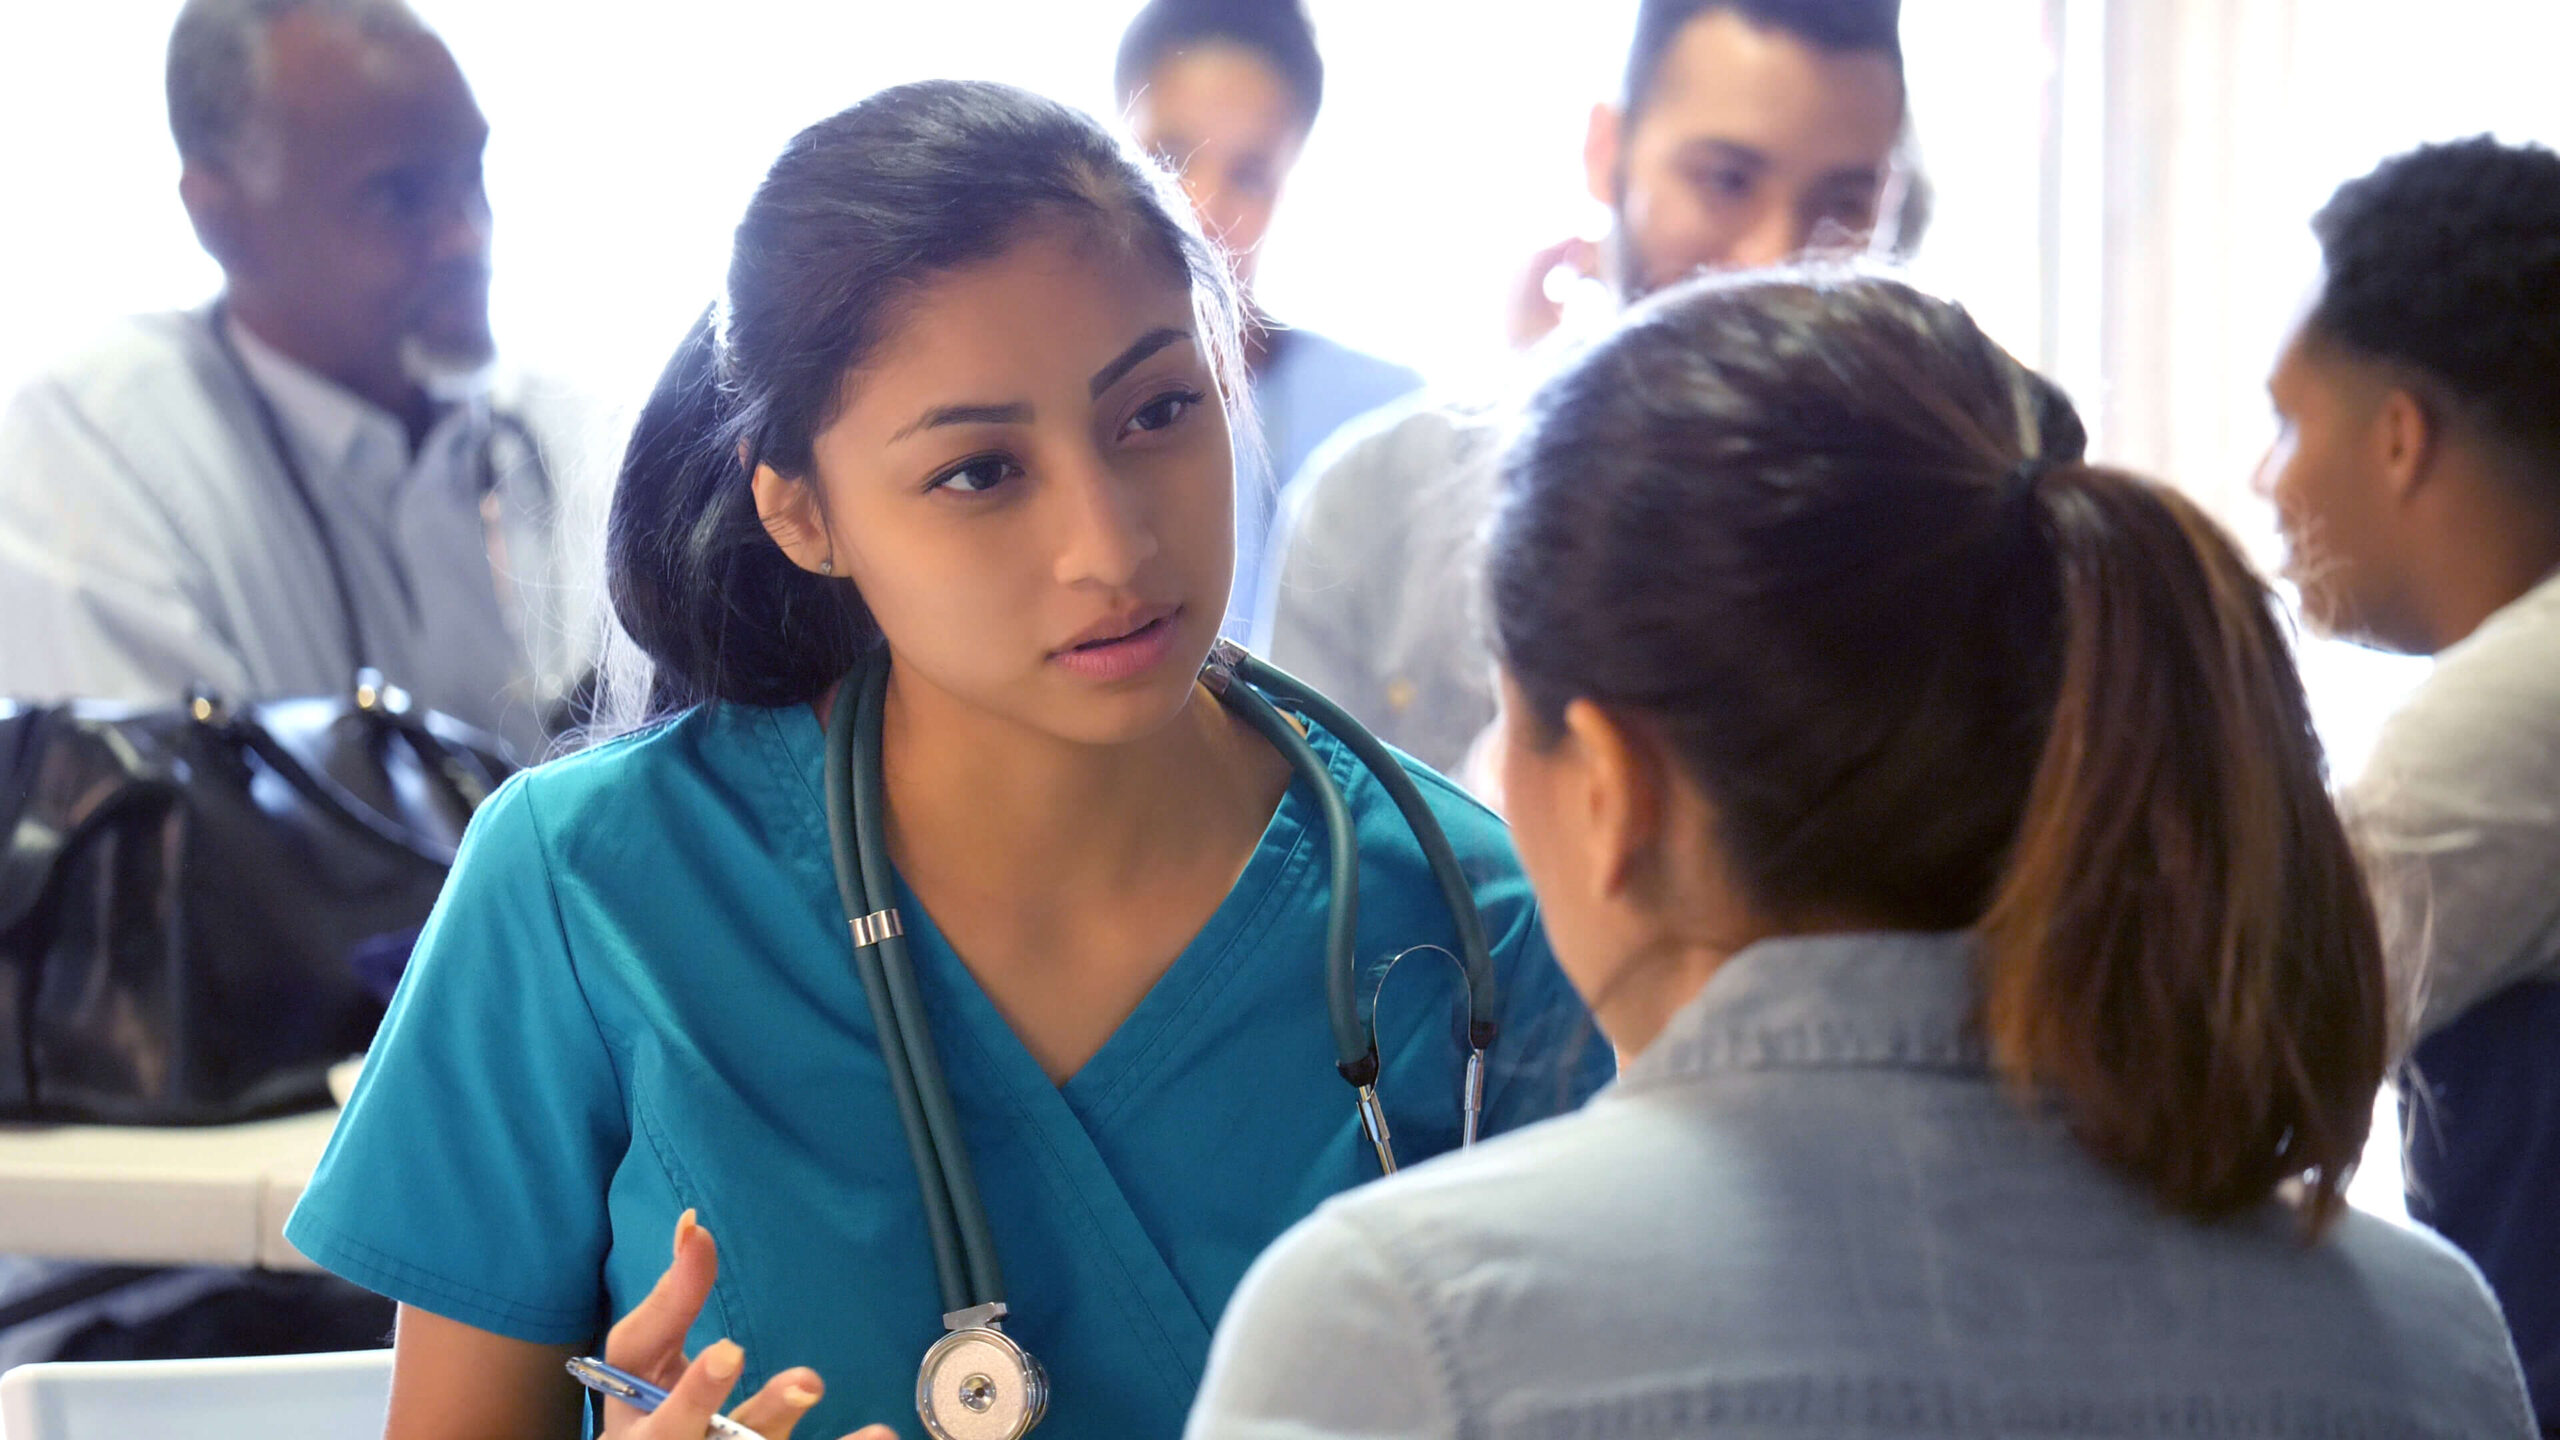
x,y
1809,1209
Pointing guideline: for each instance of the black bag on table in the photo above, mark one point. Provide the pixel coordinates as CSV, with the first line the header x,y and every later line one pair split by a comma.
x,y
190,898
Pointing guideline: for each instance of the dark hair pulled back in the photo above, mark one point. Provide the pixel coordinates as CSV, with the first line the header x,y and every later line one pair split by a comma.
x,y
1934,672
861,211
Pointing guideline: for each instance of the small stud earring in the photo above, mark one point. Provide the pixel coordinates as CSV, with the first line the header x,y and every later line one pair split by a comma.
x,y
827,566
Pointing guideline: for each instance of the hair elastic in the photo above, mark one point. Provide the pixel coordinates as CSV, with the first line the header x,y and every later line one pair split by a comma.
x,y
2020,483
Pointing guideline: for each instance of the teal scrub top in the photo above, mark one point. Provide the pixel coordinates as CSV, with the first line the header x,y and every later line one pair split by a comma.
x,y
637,996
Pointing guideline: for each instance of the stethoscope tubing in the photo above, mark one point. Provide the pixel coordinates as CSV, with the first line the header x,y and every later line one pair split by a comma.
x,y
964,1257
1356,1053
1474,950
879,878
965,1263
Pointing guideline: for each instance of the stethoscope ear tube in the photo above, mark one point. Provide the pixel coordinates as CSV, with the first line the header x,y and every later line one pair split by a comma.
x,y
1475,954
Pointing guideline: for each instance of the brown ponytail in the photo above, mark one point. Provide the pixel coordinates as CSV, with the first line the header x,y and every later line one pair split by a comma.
x,y
1925,687
2182,948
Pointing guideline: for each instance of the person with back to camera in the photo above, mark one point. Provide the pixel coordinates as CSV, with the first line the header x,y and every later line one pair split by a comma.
x,y
1224,92
1935,825
944,945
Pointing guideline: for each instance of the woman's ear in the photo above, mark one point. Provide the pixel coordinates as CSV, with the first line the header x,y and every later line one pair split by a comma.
x,y
789,509
1618,775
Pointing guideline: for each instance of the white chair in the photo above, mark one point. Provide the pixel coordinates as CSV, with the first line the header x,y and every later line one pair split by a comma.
x,y
265,1397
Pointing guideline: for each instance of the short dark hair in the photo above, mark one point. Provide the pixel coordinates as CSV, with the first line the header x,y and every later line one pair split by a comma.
x,y
217,51
1838,25
2445,262
1933,671
1276,30
859,212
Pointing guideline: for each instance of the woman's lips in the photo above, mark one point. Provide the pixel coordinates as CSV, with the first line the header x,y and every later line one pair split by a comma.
x,y
1125,657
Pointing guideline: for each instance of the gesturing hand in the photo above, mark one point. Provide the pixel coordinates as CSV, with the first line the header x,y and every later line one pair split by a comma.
x,y
1532,313
649,1342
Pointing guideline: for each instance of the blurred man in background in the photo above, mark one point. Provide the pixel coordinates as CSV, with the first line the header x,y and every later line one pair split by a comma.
x,y
1748,132
305,477
2416,476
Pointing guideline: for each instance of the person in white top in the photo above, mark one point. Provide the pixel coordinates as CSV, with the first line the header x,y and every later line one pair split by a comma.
x,y
306,477
2416,476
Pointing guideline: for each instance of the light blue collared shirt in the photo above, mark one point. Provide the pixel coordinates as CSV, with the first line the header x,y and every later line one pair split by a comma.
x,y
1810,1209
1311,388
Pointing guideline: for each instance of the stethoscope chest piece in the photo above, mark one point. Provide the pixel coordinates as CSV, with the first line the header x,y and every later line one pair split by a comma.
x,y
978,1383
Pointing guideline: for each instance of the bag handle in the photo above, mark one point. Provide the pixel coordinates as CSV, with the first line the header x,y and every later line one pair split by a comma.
x,y
26,850
29,847
466,781
322,790
38,847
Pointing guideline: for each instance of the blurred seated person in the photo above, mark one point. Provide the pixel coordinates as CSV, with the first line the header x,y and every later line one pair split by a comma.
x,y
307,475
302,478
1748,132
2417,479
1225,92
1935,825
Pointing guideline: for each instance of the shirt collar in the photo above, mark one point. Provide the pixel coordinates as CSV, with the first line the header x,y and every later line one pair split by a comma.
x,y
2543,599
337,430
1883,1000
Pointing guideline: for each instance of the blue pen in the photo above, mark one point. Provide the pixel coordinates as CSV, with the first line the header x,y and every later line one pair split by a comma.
x,y
642,1396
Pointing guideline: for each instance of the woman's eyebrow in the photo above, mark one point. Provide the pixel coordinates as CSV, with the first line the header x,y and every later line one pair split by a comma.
x,y
1129,359
1016,413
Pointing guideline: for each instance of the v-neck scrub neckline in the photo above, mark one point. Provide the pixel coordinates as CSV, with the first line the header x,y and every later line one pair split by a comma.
x,y
1286,869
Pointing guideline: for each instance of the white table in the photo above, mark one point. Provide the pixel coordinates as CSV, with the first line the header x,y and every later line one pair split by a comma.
x,y
119,1195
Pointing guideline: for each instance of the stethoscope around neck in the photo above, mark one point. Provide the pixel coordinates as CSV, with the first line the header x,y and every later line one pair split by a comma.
x,y
977,1382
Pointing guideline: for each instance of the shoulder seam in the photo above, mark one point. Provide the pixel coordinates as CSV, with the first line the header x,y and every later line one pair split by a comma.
x,y
568,951
1427,778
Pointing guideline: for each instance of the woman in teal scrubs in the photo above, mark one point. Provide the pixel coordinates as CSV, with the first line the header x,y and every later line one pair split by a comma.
x,y
962,401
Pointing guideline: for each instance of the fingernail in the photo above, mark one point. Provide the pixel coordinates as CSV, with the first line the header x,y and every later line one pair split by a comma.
x,y
684,1227
724,1360
800,1396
